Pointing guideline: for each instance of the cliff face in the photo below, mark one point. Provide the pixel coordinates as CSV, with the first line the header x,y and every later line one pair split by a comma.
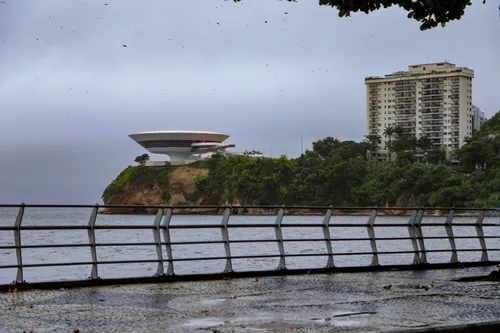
x,y
179,190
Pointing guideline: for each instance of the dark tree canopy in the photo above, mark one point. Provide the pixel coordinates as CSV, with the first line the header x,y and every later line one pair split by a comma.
x,y
430,13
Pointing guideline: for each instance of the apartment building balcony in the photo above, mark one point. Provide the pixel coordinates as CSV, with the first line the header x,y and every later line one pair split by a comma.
x,y
405,113
437,140
432,129
406,100
404,95
433,79
406,124
437,116
431,99
431,92
432,87
406,90
430,112
433,106
427,124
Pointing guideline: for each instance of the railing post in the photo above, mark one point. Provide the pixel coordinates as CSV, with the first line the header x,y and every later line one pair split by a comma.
x,y
225,238
156,234
93,249
17,243
411,232
451,237
480,235
168,245
279,238
328,240
371,234
420,236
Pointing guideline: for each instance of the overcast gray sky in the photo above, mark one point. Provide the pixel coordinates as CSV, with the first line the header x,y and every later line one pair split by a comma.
x,y
265,72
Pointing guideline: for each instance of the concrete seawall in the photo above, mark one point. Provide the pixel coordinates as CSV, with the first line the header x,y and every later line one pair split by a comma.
x,y
418,301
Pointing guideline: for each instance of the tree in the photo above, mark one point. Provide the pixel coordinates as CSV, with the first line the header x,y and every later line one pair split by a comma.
x,y
372,142
492,125
389,133
437,156
326,146
424,143
430,13
403,141
142,159
478,155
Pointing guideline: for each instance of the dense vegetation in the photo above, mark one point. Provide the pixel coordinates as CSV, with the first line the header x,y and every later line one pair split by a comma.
x,y
430,13
340,173
138,176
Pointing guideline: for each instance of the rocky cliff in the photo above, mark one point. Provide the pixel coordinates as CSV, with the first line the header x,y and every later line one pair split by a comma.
x,y
165,186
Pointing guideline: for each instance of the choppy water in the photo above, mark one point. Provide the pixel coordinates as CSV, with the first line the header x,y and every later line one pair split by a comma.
x,y
44,216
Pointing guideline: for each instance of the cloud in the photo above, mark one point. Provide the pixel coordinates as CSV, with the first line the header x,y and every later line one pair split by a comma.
x,y
70,92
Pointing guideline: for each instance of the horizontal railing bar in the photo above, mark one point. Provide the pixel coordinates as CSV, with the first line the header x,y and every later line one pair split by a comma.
x,y
44,246
199,259
217,226
243,226
303,240
276,207
485,224
194,226
34,246
256,256
194,243
475,250
303,225
123,226
58,264
456,224
367,239
252,241
306,254
53,227
124,244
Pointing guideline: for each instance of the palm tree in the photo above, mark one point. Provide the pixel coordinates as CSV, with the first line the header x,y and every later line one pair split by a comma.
x,y
388,133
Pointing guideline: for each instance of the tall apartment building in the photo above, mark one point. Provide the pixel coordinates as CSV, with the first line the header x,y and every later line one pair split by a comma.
x,y
478,118
432,100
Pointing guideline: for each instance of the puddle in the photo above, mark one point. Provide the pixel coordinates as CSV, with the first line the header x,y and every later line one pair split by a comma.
x,y
412,324
278,325
345,323
240,298
213,301
205,322
247,320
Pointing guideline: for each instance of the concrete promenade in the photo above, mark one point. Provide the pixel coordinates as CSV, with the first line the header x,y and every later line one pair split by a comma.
x,y
342,302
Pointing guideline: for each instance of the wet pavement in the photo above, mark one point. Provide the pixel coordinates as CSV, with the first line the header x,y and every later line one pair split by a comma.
x,y
342,302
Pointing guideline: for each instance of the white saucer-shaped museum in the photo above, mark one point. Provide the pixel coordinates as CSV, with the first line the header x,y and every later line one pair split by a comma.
x,y
181,145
